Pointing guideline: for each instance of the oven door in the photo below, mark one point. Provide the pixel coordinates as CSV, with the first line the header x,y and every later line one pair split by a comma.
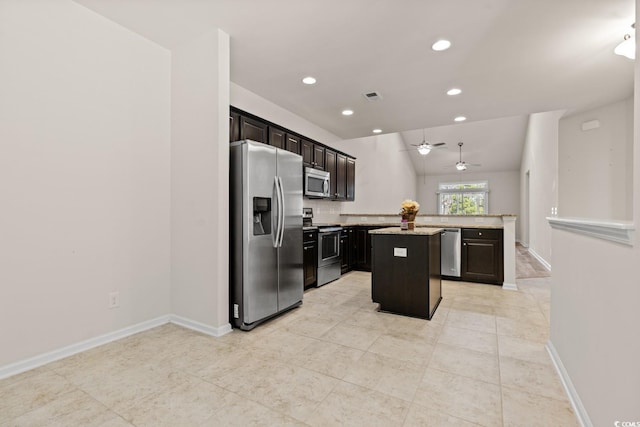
x,y
328,247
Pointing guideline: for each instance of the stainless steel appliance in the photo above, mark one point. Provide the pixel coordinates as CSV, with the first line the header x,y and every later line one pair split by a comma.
x,y
328,253
266,276
450,252
316,183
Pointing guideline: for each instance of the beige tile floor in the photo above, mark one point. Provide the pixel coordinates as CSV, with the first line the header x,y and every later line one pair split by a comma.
x,y
333,361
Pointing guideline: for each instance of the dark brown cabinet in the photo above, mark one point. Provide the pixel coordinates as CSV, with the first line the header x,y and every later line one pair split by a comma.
x,y
341,177
310,258
362,250
312,154
350,189
482,255
346,249
254,130
330,166
234,126
293,144
277,137
336,164
407,282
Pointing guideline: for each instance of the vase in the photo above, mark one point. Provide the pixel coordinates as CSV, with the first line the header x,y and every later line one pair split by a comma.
x,y
410,218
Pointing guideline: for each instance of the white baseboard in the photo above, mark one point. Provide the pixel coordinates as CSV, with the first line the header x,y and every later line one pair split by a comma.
x,y
524,244
572,394
42,359
201,327
509,286
544,263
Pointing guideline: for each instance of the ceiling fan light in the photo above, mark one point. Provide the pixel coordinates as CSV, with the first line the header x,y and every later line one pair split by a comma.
x,y
461,166
627,47
424,150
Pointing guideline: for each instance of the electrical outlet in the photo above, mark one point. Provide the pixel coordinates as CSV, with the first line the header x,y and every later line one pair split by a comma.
x,y
114,299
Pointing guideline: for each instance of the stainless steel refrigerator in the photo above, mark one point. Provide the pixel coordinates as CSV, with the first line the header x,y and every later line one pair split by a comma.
x,y
266,276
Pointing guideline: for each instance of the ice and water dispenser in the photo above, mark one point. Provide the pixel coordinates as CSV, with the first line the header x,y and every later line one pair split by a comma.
x,y
261,215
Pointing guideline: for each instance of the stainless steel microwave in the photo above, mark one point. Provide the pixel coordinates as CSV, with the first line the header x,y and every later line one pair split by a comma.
x,y
316,183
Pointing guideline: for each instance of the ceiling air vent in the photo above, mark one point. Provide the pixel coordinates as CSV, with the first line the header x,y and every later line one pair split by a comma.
x,y
372,96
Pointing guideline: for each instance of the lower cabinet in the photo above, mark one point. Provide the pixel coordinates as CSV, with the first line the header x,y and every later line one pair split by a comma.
x,y
310,258
362,247
482,255
346,249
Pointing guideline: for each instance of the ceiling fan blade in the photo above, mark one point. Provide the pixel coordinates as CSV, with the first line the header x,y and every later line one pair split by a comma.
x,y
439,144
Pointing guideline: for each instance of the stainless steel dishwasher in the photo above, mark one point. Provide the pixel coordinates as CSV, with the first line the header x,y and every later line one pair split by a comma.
x,y
450,252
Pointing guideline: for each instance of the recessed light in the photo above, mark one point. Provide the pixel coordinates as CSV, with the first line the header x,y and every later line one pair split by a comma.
x,y
460,119
377,131
441,45
347,112
309,80
454,91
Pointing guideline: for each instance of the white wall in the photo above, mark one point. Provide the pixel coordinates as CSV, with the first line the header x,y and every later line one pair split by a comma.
x,y
84,177
594,308
540,161
200,181
504,190
384,174
595,166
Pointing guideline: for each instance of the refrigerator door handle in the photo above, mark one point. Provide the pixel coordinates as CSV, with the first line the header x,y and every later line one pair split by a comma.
x,y
281,212
276,218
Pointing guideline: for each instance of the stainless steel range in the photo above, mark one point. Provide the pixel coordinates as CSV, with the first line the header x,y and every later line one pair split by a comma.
x,y
328,253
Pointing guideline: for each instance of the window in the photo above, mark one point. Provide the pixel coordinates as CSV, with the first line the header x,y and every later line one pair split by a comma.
x,y
463,198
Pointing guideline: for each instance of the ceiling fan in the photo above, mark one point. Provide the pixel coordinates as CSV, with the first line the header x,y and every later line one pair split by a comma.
x,y
425,147
460,165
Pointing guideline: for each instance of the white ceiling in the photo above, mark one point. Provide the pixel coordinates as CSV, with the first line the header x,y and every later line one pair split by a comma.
x,y
510,57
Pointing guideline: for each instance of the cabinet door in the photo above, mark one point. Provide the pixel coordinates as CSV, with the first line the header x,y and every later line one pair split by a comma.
x,y
318,156
351,180
310,258
330,166
234,126
293,144
340,176
345,252
277,137
482,260
306,151
253,129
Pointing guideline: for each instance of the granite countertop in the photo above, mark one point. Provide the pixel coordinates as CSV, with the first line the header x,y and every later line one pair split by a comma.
x,y
309,228
430,214
418,231
422,225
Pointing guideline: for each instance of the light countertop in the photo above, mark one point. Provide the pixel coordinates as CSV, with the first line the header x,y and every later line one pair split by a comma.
x,y
418,231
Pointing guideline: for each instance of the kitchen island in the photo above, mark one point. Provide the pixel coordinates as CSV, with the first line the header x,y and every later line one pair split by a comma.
x,y
405,270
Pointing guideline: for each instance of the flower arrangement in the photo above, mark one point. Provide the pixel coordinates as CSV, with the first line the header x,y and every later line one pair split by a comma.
x,y
409,207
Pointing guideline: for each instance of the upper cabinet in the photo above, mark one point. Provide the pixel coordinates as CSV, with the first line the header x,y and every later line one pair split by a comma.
x,y
351,179
254,130
277,137
340,166
293,144
234,126
312,154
